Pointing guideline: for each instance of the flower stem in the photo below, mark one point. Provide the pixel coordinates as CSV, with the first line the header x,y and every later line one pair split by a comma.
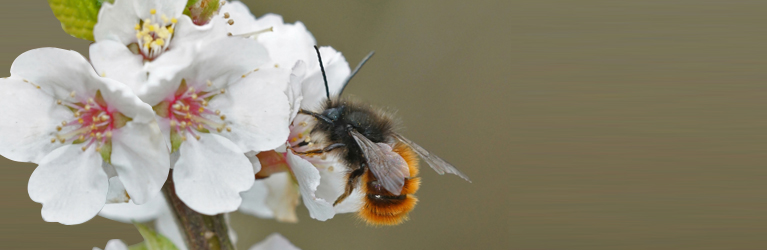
x,y
202,232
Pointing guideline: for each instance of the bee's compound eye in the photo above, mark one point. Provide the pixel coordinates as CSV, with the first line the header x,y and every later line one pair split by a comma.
x,y
333,113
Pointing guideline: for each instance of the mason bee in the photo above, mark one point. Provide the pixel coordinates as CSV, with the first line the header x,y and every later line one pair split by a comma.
x,y
382,163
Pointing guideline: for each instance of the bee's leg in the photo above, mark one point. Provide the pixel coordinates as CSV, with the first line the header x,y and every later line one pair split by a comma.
x,y
353,177
316,115
321,151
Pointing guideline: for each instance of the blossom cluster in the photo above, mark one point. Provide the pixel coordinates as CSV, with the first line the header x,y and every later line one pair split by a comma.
x,y
211,102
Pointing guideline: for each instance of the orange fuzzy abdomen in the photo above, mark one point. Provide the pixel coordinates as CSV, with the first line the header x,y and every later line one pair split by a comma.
x,y
384,208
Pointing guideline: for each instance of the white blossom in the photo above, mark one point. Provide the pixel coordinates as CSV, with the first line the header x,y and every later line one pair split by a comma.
x,y
224,104
81,129
133,37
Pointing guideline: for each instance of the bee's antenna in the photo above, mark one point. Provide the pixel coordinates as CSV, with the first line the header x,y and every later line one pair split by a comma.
x,y
357,69
324,77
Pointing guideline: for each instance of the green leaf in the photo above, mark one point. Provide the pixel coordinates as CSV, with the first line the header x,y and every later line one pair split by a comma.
x,y
77,17
153,240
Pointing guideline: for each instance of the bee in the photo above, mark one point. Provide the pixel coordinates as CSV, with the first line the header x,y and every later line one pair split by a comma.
x,y
381,163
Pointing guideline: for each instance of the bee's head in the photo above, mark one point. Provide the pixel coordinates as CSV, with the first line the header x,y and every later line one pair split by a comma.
x,y
333,113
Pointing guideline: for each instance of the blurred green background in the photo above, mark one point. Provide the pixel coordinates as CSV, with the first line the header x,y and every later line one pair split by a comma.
x,y
583,124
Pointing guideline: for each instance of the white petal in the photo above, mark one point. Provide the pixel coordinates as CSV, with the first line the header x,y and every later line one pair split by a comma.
x,y
115,61
29,122
116,22
224,61
283,196
254,201
211,173
295,97
257,110
253,158
274,241
70,184
244,21
116,193
163,71
129,212
287,43
141,159
120,98
58,72
308,178
167,226
189,34
170,8
333,183
336,69
116,245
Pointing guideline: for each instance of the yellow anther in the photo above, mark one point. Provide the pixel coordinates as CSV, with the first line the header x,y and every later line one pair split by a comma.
x,y
223,117
197,137
77,114
104,118
209,83
201,109
177,106
226,15
276,65
53,140
194,96
185,108
218,112
300,136
62,140
183,138
87,107
58,102
84,148
164,18
228,129
190,90
204,103
138,27
200,127
81,137
172,123
58,128
109,134
98,135
222,91
64,123
174,20
153,11
72,94
170,30
98,149
93,127
293,139
303,124
183,125
188,116
159,42
219,129
80,120
230,22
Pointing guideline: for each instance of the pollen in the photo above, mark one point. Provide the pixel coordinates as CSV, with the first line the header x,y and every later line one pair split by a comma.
x,y
93,124
153,34
189,114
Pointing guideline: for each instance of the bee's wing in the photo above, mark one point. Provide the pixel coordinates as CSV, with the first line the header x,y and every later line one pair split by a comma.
x,y
388,167
436,163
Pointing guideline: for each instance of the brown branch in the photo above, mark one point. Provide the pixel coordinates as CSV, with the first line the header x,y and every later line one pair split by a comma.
x,y
202,232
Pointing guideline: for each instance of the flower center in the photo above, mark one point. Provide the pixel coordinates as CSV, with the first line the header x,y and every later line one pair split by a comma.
x,y
189,113
154,34
93,123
